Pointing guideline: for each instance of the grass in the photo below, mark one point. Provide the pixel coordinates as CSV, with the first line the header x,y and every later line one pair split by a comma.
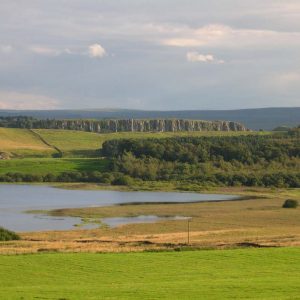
x,y
42,166
223,274
72,143
22,142
261,218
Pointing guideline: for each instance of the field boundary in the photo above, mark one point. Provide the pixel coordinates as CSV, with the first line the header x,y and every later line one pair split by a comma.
x,y
45,142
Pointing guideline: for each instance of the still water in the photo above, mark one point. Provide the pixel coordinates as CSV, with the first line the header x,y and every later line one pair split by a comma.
x,y
16,199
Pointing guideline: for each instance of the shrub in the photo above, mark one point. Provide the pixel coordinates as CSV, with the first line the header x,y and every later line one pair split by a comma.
x,y
7,235
289,203
123,180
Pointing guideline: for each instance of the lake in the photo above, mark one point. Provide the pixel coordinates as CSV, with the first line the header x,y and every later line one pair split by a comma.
x,y
16,199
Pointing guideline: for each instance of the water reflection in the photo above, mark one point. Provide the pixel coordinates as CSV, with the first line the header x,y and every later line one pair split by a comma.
x,y
16,199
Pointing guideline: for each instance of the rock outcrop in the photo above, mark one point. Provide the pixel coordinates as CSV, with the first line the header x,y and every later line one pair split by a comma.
x,y
133,125
4,156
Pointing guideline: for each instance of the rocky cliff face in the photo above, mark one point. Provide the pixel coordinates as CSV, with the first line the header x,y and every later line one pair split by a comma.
x,y
131,125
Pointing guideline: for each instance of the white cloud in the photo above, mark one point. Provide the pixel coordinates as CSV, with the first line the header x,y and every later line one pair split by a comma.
x,y
194,56
45,51
68,51
6,49
96,50
17,100
218,35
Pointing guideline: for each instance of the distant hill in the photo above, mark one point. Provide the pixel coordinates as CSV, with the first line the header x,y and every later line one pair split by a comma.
x,y
259,118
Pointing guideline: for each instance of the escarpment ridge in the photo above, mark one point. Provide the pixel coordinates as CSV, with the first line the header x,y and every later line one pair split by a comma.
x,y
122,125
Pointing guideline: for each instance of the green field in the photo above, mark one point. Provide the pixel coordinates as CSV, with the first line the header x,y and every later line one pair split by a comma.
x,y
23,142
42,166
72,143
271,273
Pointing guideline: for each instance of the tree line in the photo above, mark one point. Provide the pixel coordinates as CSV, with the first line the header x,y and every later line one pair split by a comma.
x,y
245,149
114,178
241,160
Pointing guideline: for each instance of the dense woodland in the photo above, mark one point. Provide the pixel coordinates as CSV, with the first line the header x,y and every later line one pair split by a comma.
x,y
241,160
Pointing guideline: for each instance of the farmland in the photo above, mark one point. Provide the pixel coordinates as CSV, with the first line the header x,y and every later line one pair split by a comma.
x,y
23,143
42,166
222,274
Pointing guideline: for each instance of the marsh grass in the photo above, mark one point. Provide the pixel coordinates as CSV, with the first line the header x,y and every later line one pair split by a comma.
x,y
258,221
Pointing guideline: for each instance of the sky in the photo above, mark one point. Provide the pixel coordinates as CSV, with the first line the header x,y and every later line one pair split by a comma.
x,y
149,54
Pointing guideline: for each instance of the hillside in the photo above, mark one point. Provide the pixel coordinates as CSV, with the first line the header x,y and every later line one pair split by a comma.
x,y
45,142
23,142
260,118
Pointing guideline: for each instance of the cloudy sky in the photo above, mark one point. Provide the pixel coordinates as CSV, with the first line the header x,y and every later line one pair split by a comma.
x,y
158,54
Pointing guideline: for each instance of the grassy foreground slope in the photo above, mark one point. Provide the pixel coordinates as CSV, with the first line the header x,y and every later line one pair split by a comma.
x,y
214,274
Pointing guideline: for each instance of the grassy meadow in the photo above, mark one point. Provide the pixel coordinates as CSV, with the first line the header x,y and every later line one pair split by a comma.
x,y
23,143
42,166
221,274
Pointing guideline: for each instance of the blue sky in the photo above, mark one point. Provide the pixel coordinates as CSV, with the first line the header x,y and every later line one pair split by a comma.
x,y
159,54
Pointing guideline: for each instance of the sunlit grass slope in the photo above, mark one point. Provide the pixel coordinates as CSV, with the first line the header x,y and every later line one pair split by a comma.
x,y
71,141
22,142
214,274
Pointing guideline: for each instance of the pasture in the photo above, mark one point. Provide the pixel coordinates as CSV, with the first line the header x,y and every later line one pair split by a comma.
x,y
43,166
23,142
271,273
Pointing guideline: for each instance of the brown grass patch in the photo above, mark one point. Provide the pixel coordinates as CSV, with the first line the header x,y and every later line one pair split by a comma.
x,y
260,222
